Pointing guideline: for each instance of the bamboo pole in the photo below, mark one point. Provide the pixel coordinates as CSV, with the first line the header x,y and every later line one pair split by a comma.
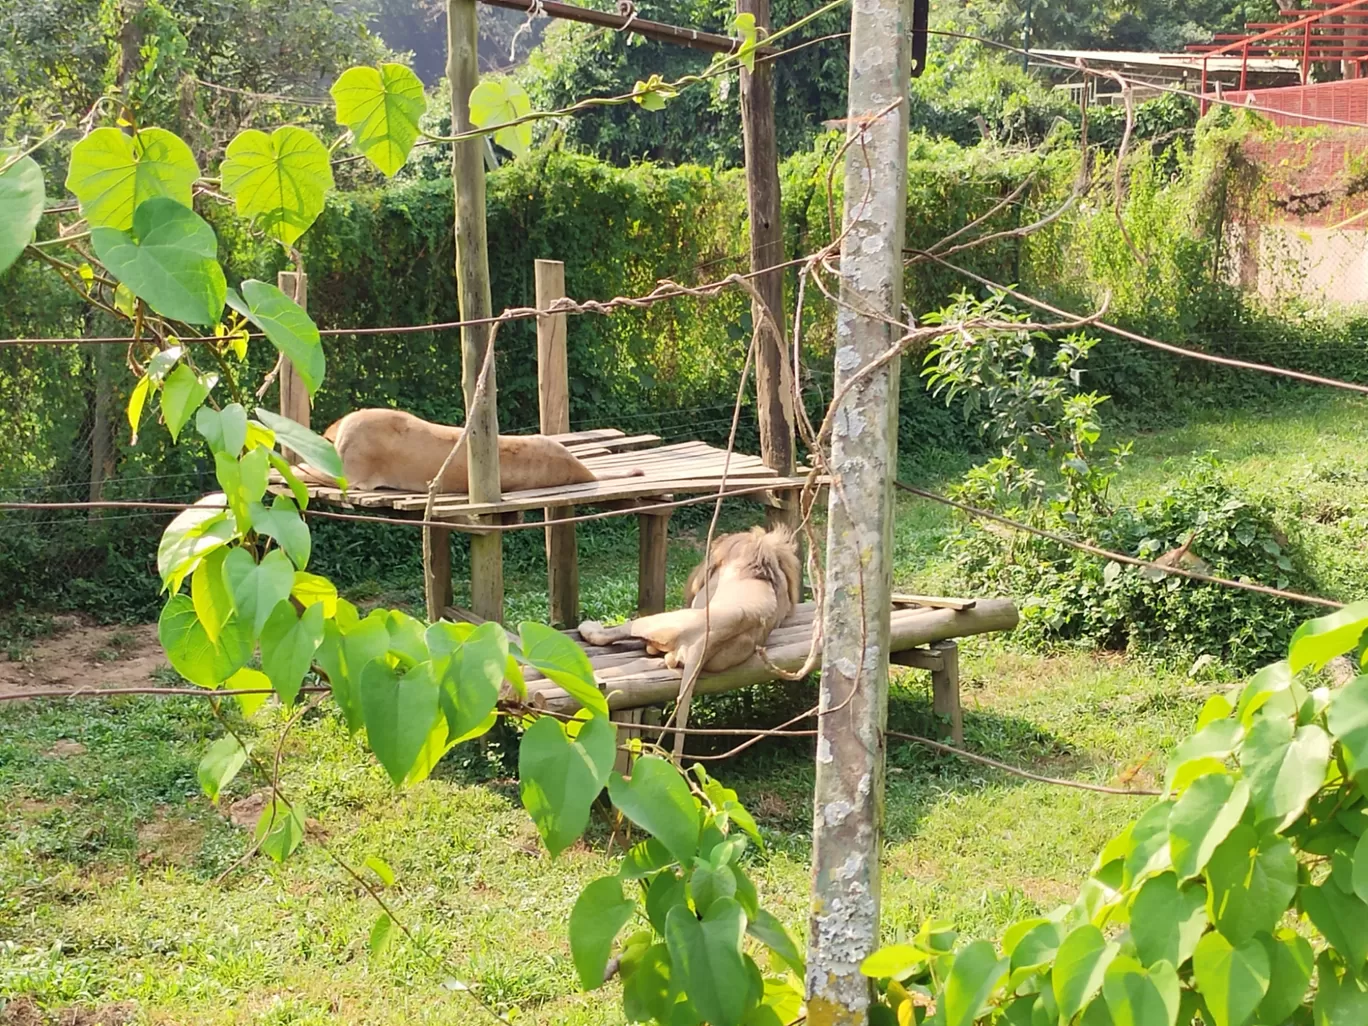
x,y
472,287
849,787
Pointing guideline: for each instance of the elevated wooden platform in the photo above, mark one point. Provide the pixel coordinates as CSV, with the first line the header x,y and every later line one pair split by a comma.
x,y
921,636
668,472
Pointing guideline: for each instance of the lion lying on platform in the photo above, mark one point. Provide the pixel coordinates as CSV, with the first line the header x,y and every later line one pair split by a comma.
x,y
752,587
383,448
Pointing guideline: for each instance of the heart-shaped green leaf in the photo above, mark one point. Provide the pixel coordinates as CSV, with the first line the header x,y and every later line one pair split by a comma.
x,y
280,830
1251,883
644,858
1137,996
190,651
1342,918
257,589
225,430
169,260
21,205
1318,641
1341,994
708,883
706,957
280,179
657,799
472,661
1167,922
289,329
560,778
381,106
288,644
182,394
212,601
497,101
1149,852
599,914
977,972
769,931
345,652
314,449
310,589
1233,980
283,523
1080,968
1347,718
243,481
564,662
1284,769
1202,818
399,713
113,174
220,765
646,990
1215,741
1290,961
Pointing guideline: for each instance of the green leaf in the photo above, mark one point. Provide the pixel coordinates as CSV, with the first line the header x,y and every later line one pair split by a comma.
x,y
646,990
1359,876
225,430
249,680
1149,852
257,589
1251,884
1080,967
399,713
220,765
213,604
744,26
435,746
137,399
311,590
471,661
280,179
380,868
1233,980
1290,961
1318,641
380,933
1341,997
1203,817
706,957
564,662
406,638
170,261
190,651
314,449
288,644
1273,679
113,174
182,395
894,961
297,489
599,913
658,800
1341,918
560,778
769,931
975,975
1347,718
344,654
243,482
381,106
644,859
291,331
1284,769
1139,997
21,205
708,883
280,830
653,93
1166,922
1215,741
283,523
496,101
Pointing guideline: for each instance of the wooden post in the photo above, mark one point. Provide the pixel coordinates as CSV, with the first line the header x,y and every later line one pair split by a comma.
x,y
553,395
853,702
773,371
294,397
652,548
472,288
942,659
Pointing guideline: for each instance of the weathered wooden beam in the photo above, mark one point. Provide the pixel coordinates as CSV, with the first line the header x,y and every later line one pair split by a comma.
x,y
294,397
553,397
657,30
473,293
848,800
653,542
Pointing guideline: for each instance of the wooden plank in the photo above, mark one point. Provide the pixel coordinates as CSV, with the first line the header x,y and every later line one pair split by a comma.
x,y
652,548
473,293
626,443
659,30
553,397
593,492
931,601
294,397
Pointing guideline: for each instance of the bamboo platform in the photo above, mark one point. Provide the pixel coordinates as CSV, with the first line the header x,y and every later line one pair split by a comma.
x,y
668,472
921,636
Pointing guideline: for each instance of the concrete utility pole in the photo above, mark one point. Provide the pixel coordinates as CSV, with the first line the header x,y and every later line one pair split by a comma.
x,y
848,811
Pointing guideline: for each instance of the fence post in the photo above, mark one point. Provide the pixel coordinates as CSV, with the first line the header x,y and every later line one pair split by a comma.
x,y
472,288
294,397
553,396
853,703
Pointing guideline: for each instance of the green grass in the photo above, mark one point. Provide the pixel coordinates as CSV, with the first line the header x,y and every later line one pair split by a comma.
x,y
109,855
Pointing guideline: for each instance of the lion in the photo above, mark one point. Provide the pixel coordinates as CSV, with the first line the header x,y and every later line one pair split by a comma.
x,y
383,448
752,582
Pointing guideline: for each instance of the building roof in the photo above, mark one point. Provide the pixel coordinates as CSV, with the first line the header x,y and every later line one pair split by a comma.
x,y
1171,62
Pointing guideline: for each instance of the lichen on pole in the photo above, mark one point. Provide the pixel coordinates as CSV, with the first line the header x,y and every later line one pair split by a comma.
x,y
848,803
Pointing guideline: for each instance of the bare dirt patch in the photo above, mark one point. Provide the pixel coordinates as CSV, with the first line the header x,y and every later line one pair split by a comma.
x,y
169,840
23,1011
78,655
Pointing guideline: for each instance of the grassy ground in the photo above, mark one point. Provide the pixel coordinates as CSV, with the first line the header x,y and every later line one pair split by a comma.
x,y
109,855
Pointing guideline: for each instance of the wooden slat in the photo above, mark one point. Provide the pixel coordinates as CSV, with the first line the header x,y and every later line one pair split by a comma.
x,y
931,601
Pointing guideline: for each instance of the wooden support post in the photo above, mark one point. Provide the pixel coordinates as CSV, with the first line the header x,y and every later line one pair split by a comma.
x,y
942,659
652,546
773,372
553,394
437,573
849,786
472,288
294,397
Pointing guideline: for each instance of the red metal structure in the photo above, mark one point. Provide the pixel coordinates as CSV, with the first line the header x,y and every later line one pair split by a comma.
x,y
1329,32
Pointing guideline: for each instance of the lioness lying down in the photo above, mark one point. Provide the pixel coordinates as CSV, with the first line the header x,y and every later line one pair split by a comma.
x,y
752,586
383,448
